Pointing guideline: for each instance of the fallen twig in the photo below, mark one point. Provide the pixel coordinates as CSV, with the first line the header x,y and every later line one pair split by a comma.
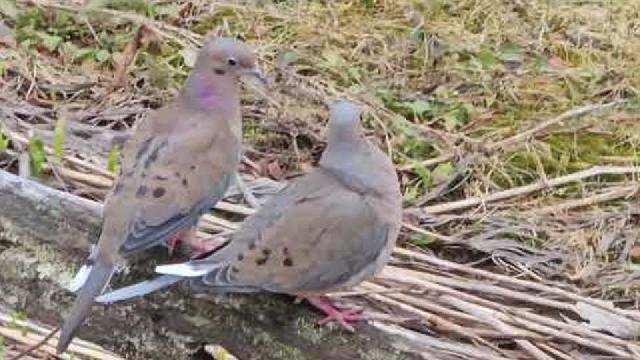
x,y
527,189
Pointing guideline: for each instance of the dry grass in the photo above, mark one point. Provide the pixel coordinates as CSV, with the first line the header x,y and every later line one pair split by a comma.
x,y
514,126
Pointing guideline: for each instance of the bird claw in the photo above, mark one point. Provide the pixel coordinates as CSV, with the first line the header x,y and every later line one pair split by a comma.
x,y
344,317
340,316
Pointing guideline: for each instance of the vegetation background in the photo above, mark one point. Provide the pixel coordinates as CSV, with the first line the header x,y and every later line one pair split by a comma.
x,y
514,126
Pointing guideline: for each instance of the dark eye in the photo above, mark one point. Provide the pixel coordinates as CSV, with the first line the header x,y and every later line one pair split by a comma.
x,y
231,62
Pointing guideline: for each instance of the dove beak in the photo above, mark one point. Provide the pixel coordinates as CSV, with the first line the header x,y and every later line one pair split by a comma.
x,y
257,73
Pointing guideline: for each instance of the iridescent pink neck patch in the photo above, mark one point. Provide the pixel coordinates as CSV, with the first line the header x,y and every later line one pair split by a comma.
x,y
206,93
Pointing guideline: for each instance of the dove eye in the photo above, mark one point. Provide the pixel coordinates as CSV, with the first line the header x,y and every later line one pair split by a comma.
x,y
231,61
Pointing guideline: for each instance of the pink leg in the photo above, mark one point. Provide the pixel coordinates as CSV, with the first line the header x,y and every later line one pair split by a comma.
x,y
342,317
184,236
197,246
172,242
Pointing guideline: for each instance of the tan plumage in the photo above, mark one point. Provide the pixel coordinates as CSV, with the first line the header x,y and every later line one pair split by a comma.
x,y
327,230
176,165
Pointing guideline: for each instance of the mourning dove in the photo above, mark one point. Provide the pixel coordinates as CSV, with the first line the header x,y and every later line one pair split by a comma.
x,y
327,230
176,166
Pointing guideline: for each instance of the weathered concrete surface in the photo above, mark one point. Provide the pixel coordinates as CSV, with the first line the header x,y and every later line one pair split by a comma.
x,y
43,232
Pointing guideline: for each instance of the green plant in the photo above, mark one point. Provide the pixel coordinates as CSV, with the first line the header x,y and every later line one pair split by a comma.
x,y
4,142
113,160
37,156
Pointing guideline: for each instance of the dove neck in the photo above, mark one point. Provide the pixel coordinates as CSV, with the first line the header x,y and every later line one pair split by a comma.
x,y
208,93
351,161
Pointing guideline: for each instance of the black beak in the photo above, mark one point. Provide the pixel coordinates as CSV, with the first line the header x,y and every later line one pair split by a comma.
x,y
257,73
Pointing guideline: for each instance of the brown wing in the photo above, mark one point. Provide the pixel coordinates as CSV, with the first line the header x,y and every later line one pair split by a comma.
x,y
168,179
316,235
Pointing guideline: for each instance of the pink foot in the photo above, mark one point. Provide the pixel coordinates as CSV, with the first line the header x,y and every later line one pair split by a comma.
x,y
342,317
188,238
172,242
200,248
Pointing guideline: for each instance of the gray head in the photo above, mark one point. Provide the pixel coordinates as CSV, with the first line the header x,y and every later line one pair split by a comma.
x,y
223,57
344,139
344,121
359,163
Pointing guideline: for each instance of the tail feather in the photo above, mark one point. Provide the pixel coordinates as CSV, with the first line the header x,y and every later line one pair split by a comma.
x,y
80,279
81,276
96,282
138,290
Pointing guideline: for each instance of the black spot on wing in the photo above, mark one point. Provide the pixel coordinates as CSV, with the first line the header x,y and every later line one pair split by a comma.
x,y
288,262
265,256
143,236
159,192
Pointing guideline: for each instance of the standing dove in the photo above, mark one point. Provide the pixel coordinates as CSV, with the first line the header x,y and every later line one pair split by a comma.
x,y
177,164
327,230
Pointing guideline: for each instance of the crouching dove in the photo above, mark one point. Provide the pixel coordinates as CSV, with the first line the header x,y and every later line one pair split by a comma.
x,y
177,164
327,230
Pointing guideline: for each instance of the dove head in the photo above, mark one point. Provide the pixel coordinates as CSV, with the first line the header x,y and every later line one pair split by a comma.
x,y
345,140
228,58
219,66
349,155
344,122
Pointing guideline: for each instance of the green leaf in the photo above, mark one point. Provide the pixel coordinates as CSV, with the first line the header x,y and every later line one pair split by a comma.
x,y
411,194
423,241
354,73
426,176
4,142
58,139
83,54
113,160
51,42
455,118
487,58
417,35
36,156
418,108
442,172
102,55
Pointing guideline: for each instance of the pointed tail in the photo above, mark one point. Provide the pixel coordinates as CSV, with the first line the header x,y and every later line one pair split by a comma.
x,y
97,280
138,290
